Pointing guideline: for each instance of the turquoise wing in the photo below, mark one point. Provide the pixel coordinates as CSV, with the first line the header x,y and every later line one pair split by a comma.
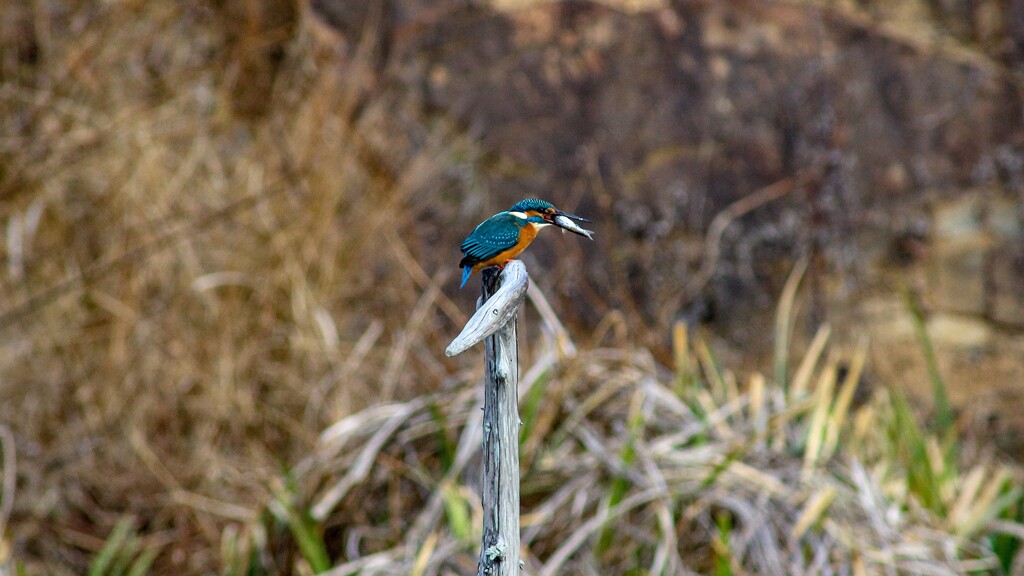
x,y
492,237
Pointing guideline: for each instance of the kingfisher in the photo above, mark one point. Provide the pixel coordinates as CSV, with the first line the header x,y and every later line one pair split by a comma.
x,y
505,235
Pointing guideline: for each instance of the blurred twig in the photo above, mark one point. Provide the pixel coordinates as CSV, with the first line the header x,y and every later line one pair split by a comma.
x,y
400,349
722,220
412,266
713,241
547,313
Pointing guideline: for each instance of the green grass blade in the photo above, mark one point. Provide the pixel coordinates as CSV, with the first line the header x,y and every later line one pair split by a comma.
x,y
302,526
308,538
144,561
720,545
123,559
1007,546
456,509
909,445
530,407
448,447
111,550
943,410
714,376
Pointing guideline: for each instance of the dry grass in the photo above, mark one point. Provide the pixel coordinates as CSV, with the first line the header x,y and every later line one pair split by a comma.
x,y
188,299
639,471
229,331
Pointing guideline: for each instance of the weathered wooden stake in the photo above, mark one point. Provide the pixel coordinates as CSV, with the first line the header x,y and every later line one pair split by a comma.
x,y
495,321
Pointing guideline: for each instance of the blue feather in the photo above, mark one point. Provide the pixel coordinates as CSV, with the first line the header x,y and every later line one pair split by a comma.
x,y
466,271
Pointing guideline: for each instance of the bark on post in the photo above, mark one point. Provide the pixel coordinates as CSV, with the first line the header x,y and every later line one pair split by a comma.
x,y
495,321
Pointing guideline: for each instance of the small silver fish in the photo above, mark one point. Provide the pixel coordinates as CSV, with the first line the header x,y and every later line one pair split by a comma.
x,y
566,224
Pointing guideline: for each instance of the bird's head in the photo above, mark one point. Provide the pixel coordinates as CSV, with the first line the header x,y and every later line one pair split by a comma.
x,y
542,213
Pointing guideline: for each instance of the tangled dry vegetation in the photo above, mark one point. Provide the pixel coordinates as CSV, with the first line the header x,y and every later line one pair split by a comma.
x,y
629,469
220,354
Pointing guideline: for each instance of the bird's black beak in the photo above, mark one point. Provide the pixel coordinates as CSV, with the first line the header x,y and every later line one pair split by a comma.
x,y
573,216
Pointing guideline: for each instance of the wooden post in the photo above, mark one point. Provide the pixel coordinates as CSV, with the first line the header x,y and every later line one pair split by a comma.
x,y
495,321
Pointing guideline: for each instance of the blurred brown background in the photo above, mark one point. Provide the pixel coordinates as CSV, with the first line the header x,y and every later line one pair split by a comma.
x,y
229,224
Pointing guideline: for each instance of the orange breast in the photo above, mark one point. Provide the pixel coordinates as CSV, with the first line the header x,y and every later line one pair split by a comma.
x,y
526,236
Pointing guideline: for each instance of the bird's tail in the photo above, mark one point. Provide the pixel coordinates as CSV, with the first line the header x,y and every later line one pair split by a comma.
x,y
466,271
